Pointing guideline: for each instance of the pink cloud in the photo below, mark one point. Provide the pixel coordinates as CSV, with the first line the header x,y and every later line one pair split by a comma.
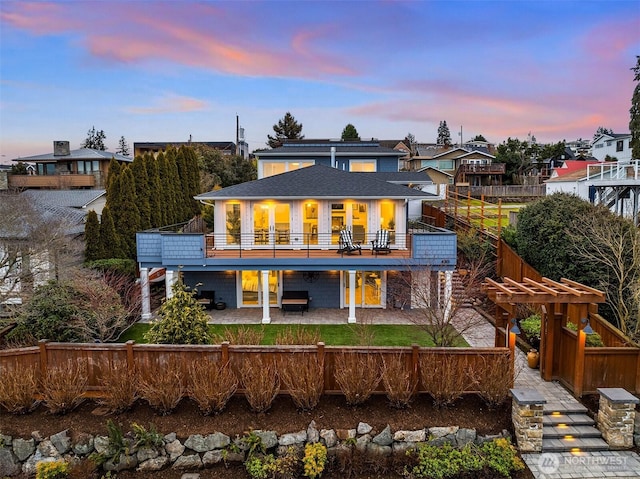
x,y
40,18
610,40
171,104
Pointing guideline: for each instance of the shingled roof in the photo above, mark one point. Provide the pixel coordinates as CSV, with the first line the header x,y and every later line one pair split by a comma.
x,y
318,181
80,154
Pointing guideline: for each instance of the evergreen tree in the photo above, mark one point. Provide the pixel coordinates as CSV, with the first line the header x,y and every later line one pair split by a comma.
x,y
112,180
153,183
129,218
164,186
350,133
479,138
634,123
183,192
182,320
93,246
109,239
286,128
143,192
123,147
602,131
172,186
94,140
193,179
444,135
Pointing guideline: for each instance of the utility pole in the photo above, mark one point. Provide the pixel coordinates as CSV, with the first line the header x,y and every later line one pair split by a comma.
x,y
460,136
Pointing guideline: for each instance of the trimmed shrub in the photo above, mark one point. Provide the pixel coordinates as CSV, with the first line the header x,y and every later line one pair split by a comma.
x,y
261,382
120,384
162,386
303,376
63,386
398,381
211,385
17,390
358,375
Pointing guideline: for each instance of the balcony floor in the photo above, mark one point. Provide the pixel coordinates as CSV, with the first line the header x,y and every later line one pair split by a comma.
x,y
279,252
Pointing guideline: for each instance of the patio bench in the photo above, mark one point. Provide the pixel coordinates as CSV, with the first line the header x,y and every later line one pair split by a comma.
x,y
295,301
206,298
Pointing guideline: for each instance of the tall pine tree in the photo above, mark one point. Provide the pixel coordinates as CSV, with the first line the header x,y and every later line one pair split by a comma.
x,y
139,170
109,239
128,222
92,244
157,216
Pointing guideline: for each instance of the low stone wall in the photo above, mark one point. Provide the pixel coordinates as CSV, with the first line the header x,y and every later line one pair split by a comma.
x,y
20,455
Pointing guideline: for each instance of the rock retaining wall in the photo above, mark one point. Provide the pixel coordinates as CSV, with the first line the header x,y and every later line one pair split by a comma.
x,y
20,455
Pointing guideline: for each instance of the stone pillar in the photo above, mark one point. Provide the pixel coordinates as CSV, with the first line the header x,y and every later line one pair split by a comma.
x,y
266,317
616,417
527,414
145,293
352,297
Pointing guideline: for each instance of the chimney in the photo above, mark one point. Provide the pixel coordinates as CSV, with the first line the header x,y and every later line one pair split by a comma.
x,y
333,157
61,148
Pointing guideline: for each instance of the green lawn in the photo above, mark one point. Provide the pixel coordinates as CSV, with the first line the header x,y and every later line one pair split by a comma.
x,y
330,334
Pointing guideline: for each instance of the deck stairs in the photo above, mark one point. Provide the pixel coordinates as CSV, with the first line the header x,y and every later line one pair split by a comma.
x,y
568,428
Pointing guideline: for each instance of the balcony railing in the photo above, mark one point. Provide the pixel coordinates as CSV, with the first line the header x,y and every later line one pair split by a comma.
x,y
59,182
492,169
284,243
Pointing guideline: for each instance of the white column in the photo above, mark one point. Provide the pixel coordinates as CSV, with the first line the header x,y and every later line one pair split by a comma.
x,y
169,279
145,293
266,319
352,297
448,292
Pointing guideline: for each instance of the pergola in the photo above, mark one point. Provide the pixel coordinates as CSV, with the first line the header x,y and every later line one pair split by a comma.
x,y
564,301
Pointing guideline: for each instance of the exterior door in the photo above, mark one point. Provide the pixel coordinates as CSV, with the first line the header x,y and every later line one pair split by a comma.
x,y
250,291
271,223
369,287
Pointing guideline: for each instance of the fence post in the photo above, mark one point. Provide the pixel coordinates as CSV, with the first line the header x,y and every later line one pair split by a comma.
x,y
499,217
320,353
130,362
224,352
415,359
482,212
42,344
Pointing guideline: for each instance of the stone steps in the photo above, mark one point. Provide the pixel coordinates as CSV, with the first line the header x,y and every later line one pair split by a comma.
x,y
567,428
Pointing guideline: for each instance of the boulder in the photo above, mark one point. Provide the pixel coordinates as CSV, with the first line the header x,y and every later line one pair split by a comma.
x,y
418,435
83,444
312,433
9,464
211,458
23,448
363,428
153,464
269,438
385,438
290,439
124,462
329,437
61,441
174,449
188,462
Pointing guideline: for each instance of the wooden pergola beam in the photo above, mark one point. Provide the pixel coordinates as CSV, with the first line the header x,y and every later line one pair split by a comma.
x,y
563,287
544,288
586,288
520,286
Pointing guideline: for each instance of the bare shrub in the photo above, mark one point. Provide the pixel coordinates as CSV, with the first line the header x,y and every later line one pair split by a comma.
x,y
63,386
211,385
241,335
261,382
295,336
303,376
120,385
445,377
17,390
495,378
163,387
398,381
358,375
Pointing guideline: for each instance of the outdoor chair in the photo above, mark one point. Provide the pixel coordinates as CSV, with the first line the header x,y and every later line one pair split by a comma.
x,y
381,243
346,243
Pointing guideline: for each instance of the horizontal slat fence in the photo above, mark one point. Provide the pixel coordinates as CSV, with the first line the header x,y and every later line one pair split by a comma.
x,y
151,357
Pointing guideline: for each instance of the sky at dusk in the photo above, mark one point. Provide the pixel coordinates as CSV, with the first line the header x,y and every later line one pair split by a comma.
x,y
165,70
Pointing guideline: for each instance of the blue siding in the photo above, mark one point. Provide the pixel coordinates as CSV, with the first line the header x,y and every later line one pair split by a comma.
x,y
181,246
435,248
222,282
149,247
324,293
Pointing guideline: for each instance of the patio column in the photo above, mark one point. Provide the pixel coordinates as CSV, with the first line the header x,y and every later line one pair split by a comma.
x,y
266,319
145,293
352,297
448,291
169,279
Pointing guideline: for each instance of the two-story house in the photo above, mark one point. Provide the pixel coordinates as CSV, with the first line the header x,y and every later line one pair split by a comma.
x,y
283,233
614,146
67,169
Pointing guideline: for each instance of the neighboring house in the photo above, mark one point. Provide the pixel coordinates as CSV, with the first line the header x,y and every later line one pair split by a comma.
x,y
613,146
367,156
579,147
227,148
400,145
282,233
470,166
67,169
38,230
441,181
615,185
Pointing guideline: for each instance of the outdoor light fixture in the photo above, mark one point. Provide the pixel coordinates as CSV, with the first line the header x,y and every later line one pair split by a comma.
x,y
514,327
587,328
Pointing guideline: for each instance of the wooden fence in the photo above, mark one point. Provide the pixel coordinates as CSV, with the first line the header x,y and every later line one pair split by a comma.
x,y
482,363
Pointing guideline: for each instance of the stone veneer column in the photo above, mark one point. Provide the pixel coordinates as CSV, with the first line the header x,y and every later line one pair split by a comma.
x,y
527,414
616,417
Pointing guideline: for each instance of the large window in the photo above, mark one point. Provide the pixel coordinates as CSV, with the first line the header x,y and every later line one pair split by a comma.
x,y
88,166
362,165
233,223
271,168
46,168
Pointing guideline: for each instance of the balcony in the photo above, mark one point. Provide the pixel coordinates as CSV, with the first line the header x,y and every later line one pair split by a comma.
x,y
54,182
196,251
492,169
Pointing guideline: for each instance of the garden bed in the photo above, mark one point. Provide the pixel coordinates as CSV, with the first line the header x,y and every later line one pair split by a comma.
x,y
331,413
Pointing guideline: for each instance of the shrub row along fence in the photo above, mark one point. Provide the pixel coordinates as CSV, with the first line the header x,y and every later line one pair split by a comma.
x,y
356,372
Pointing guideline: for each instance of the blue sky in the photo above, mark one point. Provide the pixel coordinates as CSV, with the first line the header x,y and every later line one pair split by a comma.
x,y
162,71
